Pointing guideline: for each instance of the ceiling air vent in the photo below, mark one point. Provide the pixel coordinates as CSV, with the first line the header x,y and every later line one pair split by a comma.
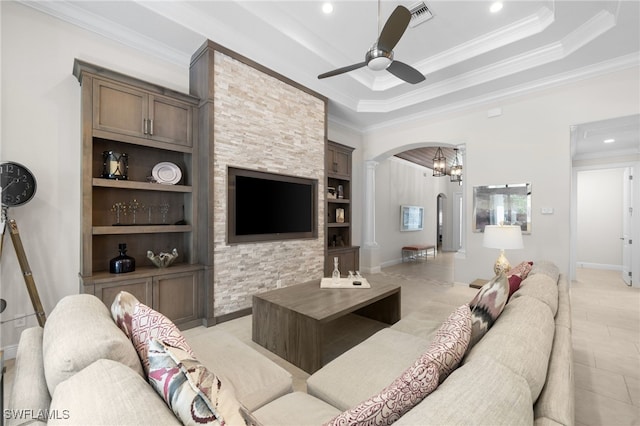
x,y
419,13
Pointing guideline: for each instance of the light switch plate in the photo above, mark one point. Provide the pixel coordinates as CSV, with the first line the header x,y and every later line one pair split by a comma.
x,y
546,210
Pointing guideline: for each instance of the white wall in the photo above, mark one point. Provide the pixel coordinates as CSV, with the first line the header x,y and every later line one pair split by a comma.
x,y
41,129
529,142
399,182
599,218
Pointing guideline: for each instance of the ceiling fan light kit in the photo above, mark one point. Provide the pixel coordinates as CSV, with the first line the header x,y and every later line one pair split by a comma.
x,y
378,59
380,56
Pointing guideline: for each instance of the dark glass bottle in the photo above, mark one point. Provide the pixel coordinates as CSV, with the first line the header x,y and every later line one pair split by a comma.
x,y
122,263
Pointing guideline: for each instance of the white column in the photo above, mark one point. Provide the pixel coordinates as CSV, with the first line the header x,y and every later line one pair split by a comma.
x,y
370,251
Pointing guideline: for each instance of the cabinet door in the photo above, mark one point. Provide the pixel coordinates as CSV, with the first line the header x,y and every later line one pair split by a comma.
x,y
119,109
348,260
140,288
176,296
171,121
338,161
342,160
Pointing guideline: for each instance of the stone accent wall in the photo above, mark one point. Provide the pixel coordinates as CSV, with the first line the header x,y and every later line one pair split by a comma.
x,y
263,123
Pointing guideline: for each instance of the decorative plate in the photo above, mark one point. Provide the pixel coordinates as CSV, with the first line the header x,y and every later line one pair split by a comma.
x,y
166,173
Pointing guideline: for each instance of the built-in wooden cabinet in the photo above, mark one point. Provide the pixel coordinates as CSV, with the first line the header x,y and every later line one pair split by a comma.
x,y
339,210
126,110
151,124
338,159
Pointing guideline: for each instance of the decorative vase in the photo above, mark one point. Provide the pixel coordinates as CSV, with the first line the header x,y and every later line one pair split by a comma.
x,y
335,276
162,260
122,263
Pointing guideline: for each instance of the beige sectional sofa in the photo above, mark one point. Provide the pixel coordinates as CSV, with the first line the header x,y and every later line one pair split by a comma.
x,y
81,369
520,372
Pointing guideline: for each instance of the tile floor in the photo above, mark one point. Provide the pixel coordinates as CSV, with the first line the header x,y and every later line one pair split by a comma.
x,y
606,334
606,348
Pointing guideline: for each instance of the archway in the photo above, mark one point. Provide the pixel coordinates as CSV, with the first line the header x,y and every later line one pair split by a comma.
x,y
375,253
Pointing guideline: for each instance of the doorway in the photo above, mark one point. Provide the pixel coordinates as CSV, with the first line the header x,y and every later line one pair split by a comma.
x,y
440,215
605,155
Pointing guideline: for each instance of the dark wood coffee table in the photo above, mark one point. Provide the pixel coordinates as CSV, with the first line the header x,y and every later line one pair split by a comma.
x,y
290,321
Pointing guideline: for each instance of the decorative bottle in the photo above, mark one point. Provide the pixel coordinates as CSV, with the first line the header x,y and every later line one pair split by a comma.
x,y
335,276
122,263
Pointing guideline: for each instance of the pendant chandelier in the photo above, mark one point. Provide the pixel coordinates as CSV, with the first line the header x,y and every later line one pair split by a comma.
x,y
439,164
456,169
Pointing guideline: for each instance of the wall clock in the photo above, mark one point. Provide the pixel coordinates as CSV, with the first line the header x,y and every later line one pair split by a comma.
x,y
17,183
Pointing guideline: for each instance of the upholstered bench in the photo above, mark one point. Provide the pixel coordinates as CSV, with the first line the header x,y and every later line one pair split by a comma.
x,y
417,251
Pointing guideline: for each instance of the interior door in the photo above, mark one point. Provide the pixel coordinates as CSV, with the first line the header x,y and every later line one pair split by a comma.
x,y
627,211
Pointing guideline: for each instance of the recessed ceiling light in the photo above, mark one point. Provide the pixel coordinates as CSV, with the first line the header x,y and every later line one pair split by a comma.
x,y
327,8
496,7
609,140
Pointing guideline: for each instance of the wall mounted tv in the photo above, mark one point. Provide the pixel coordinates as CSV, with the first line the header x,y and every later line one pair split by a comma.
x,y
268,207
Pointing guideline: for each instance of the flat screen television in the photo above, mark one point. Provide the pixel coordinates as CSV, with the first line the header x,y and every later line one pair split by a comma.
x,y
268,206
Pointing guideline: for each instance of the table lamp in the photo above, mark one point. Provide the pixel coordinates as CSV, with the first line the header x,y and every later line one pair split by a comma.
x,y
502,237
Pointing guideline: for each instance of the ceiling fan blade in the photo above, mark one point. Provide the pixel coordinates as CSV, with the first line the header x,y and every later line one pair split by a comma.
x,y
342,70
405,72
394,28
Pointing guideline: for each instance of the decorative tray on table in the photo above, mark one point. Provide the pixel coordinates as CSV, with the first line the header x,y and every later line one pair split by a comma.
x,y
345,283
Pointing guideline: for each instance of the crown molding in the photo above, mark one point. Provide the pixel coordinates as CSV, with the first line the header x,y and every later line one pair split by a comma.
x,y
69,12
581,36
519,30
592,71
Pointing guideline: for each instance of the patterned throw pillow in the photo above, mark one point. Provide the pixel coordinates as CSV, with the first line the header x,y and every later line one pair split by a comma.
x,y
450,342
522,269
392,402
514,284
517,275
141,323
487,306
194,394
122,310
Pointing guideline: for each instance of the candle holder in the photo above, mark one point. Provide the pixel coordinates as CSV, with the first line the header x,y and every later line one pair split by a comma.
x,y
115,165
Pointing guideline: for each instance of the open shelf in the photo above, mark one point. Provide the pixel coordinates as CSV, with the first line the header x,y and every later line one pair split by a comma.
x,y
145,186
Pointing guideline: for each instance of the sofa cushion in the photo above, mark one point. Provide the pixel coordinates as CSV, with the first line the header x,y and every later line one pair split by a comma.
x,y
546,267
196,395
450,342
486,307
256,379
557,400
520,340
78,332
108,393
366,368
482,392
141,323
541,287
29,391
563,316
295,409
384,408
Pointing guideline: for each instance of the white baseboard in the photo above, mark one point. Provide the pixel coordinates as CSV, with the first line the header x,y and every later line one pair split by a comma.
x,y
10,351
391,263
589,265
374,270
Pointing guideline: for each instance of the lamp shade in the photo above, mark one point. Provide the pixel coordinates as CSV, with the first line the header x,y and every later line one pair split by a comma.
x,y
503,237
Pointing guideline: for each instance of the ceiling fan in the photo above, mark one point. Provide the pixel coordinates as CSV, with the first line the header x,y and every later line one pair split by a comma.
x,y
380,55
